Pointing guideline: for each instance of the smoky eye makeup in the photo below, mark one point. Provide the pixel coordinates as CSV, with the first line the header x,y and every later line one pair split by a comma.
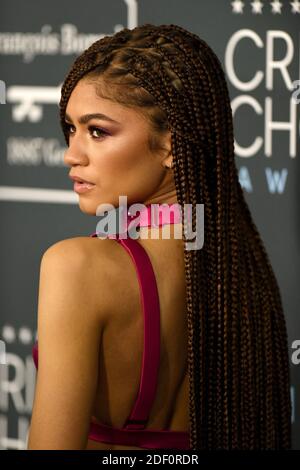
x,y
96,132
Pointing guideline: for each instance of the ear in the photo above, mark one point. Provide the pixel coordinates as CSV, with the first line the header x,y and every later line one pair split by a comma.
x,y
168,161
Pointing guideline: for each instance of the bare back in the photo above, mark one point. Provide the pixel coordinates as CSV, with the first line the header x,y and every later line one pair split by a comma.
x,y
120,357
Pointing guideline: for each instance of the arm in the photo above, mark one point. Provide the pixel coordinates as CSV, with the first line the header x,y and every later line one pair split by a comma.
x,y
69,335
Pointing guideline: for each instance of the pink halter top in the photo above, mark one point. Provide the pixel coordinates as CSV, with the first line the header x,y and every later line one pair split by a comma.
x,y
133,432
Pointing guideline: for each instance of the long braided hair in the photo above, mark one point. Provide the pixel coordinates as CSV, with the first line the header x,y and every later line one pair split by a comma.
x,y
239,378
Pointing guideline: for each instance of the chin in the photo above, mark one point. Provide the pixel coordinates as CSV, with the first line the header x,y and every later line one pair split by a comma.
x,y
87,207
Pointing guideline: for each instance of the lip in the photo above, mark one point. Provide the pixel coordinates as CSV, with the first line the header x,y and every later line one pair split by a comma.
x,y
82,187
79,179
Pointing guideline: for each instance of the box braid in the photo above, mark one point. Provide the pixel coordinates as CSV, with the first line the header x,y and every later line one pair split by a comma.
x,y
239,378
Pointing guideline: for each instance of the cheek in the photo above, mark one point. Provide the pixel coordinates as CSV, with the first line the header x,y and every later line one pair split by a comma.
x,y
125,166
123,156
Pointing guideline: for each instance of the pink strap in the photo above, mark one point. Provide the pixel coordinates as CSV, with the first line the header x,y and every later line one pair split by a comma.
x,y
151,353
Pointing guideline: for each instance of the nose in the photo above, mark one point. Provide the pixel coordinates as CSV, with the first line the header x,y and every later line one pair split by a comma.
x,y
75,153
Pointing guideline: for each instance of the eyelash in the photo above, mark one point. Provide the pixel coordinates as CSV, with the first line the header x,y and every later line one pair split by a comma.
x,y
90,128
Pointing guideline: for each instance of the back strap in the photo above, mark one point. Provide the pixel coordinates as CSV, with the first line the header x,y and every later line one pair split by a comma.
x,y
151,353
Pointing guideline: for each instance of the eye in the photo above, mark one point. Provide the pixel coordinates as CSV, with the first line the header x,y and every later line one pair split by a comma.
x,y
68,127
101,132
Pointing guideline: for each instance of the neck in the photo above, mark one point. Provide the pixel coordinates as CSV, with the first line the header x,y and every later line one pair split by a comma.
x,y
156,219
150,221
166,231
155,215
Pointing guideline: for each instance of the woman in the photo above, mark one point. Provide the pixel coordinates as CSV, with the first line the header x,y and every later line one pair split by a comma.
x,y
167,137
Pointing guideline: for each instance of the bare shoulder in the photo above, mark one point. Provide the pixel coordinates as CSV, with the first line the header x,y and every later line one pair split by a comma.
x,y
71,316
77,248
90,253
91,262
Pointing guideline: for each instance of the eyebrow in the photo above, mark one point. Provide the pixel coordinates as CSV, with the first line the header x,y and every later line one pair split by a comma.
x,y
87,117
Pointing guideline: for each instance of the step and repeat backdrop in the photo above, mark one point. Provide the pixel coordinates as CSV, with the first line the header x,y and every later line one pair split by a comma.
x,y
258,44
